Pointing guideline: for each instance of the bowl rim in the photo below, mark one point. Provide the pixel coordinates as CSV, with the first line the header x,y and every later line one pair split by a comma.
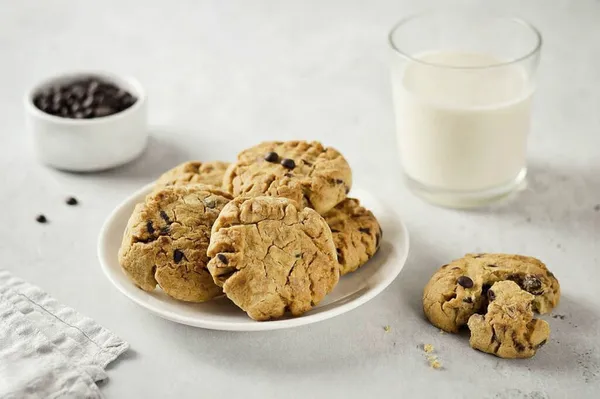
x,y
134,85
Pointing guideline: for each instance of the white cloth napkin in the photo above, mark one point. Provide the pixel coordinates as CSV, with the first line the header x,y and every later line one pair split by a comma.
x,y
48,350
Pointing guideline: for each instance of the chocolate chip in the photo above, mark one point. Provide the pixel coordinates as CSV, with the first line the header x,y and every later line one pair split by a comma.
x,y
72,99
468,299
365,230
71,201
538,346
491,295
335,231
271,157
288,163
41,219
103,111
177,256
465,282
149,227
532,285
165,217
298,256
339,181
223,259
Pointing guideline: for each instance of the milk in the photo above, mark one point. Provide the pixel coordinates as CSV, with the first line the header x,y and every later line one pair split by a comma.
x,y
461,129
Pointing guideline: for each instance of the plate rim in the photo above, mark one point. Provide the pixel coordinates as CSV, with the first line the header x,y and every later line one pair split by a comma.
x,y
354,303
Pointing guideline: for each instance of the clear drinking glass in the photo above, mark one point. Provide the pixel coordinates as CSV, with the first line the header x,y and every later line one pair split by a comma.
x,y
462,85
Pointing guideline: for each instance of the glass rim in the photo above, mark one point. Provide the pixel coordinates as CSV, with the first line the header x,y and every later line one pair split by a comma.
x,y
536,48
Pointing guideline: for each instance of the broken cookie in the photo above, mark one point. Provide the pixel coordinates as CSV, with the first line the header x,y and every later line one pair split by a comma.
x,y
508,329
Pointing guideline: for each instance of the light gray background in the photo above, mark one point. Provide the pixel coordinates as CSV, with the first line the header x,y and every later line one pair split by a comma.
x,y
222,75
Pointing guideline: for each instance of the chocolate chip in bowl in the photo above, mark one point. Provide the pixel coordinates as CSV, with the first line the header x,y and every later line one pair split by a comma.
x,y
85,122
84,98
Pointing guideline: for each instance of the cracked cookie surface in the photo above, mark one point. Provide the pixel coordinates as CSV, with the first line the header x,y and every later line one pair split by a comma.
x,y
457,290
193,172
166,239
306,172
356,234
270,255
508,328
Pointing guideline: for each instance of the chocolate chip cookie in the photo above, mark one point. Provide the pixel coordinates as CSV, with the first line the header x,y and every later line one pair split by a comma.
x,y
191,172
270,255
308,173
166,239
356,234
508,328
457,290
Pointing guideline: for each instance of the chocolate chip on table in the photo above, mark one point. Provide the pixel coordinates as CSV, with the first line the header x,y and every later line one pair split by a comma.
x,y
223,259
271,157
84,98
491,295
177,256
72,201
465,282
288,163
41,219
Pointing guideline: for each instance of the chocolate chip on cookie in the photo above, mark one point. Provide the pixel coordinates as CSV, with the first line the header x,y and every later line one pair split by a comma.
x,y
465,282
272,157
472,276
288,163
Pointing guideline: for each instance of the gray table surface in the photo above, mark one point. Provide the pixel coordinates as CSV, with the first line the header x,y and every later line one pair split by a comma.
x,y
222,75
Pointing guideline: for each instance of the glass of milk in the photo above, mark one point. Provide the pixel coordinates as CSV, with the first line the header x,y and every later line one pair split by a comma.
x,y
462,86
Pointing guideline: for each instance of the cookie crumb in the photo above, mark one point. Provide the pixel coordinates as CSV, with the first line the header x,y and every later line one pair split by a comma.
x,y
428,348
386,328
435,364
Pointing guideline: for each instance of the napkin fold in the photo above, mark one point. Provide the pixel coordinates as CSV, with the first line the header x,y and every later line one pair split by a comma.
x,y
48,350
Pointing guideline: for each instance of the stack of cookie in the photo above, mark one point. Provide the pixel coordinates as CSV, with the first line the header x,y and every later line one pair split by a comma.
x,y
495,296
273,230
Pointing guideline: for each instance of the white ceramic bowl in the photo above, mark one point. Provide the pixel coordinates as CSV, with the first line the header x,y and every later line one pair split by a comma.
x,y
86,145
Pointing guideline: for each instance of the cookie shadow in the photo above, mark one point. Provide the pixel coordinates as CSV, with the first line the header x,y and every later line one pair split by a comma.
x,y
555,198
160,155
569,351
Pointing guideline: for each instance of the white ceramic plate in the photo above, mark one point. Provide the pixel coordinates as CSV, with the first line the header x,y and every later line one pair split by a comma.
x,y
352,291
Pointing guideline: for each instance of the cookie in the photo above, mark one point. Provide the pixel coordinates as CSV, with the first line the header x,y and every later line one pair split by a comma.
x,y
192,172
270,255
508,328
166,239
356,234
457,291
308,173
